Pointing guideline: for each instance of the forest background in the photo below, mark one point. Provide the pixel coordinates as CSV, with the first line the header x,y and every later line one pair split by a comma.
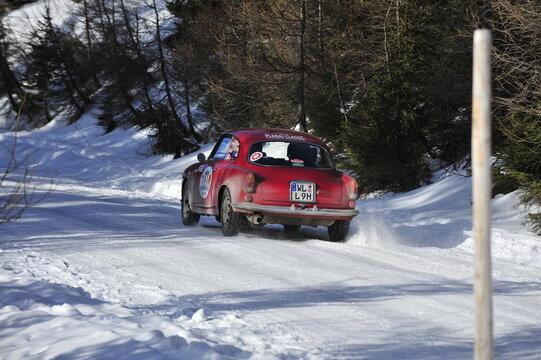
x,y
387,84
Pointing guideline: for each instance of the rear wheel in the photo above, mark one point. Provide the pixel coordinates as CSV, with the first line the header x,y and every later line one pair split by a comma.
x,y
230,220
189,218
292,228
339,230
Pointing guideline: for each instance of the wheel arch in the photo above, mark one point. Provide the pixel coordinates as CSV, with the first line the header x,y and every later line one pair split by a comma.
x,y
219,197
183,187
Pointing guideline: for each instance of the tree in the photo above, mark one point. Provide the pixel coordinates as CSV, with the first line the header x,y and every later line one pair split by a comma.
x,y
9,83
265,53
57,70
403,114
91,58
517,73
40,71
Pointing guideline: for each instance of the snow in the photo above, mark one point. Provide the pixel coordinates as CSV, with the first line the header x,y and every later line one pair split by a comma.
x,y
104,269
44,320
25,20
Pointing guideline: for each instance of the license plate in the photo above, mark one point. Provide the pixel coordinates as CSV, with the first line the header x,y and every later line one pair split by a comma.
x,y
302,191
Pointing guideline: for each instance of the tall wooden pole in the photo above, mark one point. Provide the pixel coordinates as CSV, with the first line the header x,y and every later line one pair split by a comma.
x,y
482,190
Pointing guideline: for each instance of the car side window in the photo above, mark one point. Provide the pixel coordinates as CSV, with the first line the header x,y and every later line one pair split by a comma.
x,y
221,149
233,152
227,149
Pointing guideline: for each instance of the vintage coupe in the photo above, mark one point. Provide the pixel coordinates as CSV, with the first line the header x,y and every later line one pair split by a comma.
x,y
269,176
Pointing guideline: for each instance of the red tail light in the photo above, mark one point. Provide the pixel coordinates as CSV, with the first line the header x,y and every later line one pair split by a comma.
x,y
352,187
250,182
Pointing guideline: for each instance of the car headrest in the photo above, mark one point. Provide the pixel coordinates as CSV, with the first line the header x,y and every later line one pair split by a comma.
x,y
295,151
310,155
257,147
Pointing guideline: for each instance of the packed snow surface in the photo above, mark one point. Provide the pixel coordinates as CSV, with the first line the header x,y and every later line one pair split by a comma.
x,y
104,269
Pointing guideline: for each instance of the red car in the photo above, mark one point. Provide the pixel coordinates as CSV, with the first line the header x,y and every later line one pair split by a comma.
x,y
269,176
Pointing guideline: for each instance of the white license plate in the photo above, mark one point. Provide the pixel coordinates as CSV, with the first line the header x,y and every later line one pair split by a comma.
x,y
302,191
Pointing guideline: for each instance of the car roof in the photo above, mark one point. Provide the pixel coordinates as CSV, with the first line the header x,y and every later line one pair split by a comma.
x,y
258,134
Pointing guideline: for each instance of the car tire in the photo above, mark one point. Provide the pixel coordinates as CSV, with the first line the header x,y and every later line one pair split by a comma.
x,y
339,230
291,228
230,220
189,218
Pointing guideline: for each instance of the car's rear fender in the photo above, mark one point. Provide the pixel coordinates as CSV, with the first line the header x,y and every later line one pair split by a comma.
x,y
235,183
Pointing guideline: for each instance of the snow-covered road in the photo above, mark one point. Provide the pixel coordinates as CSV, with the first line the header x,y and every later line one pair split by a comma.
x,y
399,288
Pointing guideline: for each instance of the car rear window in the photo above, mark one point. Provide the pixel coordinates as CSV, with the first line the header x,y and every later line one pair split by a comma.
x,y
289,154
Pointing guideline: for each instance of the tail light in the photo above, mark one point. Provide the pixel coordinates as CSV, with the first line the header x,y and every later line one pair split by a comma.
x,y
250,182
352,188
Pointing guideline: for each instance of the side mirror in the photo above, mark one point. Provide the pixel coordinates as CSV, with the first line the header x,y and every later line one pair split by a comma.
x,y
201,157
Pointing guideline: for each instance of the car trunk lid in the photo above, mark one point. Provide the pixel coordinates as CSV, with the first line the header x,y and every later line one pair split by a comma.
x,y
276,185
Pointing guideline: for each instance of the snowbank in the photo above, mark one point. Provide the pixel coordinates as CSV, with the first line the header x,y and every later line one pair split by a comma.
x,y
45,321
439,216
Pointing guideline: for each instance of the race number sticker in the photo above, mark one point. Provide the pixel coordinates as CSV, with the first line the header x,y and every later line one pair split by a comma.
x,y
256,156
204,183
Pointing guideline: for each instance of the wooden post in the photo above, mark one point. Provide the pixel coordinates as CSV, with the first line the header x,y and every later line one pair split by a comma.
x,y
482,190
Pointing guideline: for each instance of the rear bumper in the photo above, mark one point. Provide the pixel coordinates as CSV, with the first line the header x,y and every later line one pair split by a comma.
x,y
295,211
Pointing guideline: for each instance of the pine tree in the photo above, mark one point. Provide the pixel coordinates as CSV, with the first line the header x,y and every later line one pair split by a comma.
x,y
41,72
517,73
9,84
404,114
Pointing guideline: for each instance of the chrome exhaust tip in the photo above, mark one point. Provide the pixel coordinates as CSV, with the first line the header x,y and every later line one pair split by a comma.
x,y
255,219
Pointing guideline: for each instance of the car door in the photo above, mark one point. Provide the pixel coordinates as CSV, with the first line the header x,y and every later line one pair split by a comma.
x,y
210,175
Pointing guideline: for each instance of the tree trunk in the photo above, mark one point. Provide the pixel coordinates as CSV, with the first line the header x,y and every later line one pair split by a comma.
x,y
301,114
320,27
189,117
89,44
136,45
11,83
163,70
118,49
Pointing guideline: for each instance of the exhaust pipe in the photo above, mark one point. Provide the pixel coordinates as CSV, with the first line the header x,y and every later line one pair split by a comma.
x,y
255,219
